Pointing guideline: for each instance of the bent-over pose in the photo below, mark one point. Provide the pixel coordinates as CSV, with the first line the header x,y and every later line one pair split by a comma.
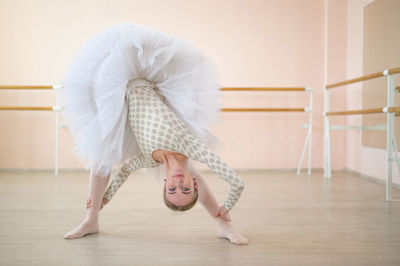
x,y
136,98
164,139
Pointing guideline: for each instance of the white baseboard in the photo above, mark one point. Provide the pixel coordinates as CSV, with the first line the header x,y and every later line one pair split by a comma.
x,y
370,178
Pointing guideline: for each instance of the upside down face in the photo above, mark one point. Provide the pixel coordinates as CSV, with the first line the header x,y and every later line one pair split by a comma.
x,y
179,186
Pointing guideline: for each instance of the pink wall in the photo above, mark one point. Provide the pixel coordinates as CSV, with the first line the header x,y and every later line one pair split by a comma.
x,y
335,70
254,43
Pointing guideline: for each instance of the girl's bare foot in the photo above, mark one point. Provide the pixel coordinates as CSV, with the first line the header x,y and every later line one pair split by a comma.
x,y
226,230
83,229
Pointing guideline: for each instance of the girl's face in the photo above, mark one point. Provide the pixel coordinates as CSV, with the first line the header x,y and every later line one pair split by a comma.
x,y
179,186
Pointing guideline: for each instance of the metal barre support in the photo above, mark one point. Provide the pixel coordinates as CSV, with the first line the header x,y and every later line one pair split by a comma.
x,y
56,108
390,111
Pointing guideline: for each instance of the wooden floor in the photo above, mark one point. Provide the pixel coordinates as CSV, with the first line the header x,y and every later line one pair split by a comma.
x,y
289,220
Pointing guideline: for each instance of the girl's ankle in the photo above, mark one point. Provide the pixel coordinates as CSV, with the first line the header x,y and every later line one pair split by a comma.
x,y
92,219
222,222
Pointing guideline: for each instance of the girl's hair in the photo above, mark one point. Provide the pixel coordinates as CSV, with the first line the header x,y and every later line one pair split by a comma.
x,y
181,208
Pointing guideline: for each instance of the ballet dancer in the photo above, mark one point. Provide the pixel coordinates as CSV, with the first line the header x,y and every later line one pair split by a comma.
x,y
158,131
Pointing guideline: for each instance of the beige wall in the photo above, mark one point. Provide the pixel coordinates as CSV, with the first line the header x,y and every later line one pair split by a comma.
x,y
254,43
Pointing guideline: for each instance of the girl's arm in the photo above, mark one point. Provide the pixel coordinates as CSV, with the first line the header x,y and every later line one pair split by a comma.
x,y
206,197
204,155
123,174
228,174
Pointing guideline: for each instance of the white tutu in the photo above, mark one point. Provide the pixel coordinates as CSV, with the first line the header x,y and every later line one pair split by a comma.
x,y
93,94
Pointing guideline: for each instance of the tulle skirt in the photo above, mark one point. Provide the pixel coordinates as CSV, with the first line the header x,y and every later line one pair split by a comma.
x,y
94,87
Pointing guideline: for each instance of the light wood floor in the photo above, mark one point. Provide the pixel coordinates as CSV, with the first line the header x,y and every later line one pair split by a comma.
x,y
289,220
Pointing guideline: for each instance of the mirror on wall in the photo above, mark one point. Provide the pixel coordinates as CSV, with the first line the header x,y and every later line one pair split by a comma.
x,y
381,51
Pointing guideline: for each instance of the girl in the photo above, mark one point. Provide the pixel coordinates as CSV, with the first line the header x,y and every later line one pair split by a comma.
x,y
146,100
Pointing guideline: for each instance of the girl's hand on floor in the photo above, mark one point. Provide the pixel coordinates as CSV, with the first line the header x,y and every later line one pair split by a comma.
x,y
104,202
223,213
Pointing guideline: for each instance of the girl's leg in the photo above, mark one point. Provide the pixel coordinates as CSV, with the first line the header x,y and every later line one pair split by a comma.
x,y
90,225
208,200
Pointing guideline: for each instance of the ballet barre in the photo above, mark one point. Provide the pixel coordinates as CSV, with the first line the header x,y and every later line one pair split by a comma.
x,y
29,87
28,108
309,109
263,109
264,89
56,108
390,110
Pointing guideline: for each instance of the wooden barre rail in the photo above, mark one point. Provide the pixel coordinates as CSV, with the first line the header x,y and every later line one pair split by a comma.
x,y
357,112
46,87
49,108
263,110
362,78
394,109
27,87
27,108
353,112
263,89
